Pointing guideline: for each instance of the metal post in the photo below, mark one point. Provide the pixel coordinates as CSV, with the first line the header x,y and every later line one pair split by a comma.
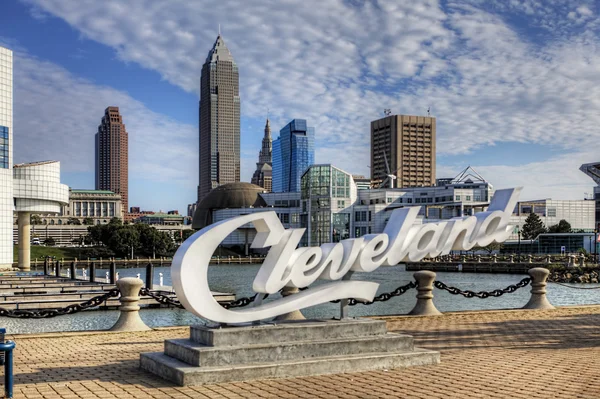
x,y
344,302
57,268
519,254
7,347
149,276
92,272
46,266
112,273
595,245
73,271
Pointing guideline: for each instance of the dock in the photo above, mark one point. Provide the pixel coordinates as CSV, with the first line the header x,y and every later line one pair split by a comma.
x,y
29,291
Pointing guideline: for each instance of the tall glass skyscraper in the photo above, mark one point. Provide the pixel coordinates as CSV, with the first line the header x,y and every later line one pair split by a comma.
x,y
293,153
219,120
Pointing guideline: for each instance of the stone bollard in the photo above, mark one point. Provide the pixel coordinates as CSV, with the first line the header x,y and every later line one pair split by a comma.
x,y
582,260
512,259
160,279
538,299
129,319
548,259
424,305
530,259
478,258
495,258
296,314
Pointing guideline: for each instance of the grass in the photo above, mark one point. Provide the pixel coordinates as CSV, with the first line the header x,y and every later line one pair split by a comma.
x,y
40,252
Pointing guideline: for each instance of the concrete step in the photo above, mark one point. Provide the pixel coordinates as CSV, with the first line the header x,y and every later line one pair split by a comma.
x,y
185,375
305,330
198,355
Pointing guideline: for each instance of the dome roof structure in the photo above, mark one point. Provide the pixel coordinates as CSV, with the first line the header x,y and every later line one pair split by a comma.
x,y
228,196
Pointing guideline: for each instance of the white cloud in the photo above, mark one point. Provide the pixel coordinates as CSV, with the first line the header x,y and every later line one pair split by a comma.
x,y
57,114
340,63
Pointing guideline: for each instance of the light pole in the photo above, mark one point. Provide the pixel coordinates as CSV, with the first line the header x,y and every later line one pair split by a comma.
x,y
519,248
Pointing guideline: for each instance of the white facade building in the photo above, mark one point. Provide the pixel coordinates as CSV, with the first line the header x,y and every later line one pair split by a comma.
x,y
580,214
26,188
6,157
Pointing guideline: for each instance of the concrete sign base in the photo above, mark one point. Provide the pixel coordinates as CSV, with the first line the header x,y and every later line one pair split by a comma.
x,y
288,349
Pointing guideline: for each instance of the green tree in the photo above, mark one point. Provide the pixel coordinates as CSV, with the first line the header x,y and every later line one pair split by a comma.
x,y
532,227
74,221
125,240
115,222
50,242
562,227
495,246
35,219
154,242
88,221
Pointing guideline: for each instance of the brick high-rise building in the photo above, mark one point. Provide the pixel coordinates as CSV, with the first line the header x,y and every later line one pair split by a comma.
x,y
408,143
112,170
219,120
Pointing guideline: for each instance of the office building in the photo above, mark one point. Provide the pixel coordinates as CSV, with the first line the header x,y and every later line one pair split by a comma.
x,y
403,146
6,157
263,176
293,153
581,214
112,159
219,120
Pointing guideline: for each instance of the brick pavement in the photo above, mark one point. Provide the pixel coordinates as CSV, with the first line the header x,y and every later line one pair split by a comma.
x,y
510,354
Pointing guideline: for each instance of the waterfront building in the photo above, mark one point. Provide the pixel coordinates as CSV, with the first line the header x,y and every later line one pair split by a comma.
x,y
263,174
331,207
403,146
112,159
581,214
219,120
6,157
293,153
161,218
362,182
97,206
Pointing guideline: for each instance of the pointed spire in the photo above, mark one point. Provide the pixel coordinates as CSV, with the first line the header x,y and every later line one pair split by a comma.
x,y
219,51
268,129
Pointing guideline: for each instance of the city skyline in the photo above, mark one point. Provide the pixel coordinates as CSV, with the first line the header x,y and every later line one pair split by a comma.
x,y
510,97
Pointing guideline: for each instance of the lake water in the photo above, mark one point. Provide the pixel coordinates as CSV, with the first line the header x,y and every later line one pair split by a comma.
x,y
238,279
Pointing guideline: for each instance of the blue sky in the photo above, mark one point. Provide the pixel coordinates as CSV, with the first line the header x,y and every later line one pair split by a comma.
x,y
513,84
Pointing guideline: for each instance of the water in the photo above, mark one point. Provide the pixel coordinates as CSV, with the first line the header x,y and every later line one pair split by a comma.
x,y
238,279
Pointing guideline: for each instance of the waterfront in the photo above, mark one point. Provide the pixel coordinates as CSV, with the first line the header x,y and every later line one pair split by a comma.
x,y
238,279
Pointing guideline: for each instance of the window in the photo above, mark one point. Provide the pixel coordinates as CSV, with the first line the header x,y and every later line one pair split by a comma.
x,y
409,201
468,198
552,212
389,200
458,197
4,161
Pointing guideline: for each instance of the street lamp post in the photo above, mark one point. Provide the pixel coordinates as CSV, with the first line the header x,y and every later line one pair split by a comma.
x,y
519,248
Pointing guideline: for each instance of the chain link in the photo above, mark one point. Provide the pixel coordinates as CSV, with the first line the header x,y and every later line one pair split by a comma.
x,y
48,313
163,299
483,294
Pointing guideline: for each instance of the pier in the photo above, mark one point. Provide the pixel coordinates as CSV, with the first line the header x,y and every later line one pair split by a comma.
x,y
490,354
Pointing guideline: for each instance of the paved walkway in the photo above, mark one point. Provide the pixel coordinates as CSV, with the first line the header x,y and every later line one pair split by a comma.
x,y
510,354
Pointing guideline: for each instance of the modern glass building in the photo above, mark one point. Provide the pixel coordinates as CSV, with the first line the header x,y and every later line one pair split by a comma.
x,y
293,153
327,197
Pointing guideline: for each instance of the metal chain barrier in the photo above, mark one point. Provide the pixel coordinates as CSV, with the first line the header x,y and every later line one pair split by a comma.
x,y
164,299
483,294
48,313
386,296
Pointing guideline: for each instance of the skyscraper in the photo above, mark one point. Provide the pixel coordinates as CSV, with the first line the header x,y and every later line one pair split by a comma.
x,y
219,120
293,153
408,144
6,157
263,173
112,169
